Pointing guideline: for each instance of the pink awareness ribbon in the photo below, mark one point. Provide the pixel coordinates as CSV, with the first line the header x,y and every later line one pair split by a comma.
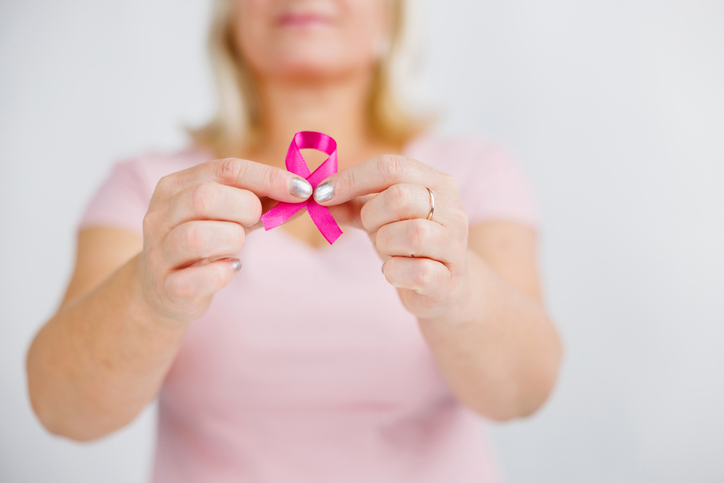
x,y
321,216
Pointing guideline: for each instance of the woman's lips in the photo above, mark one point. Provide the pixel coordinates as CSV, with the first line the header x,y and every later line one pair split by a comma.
x,y
302,20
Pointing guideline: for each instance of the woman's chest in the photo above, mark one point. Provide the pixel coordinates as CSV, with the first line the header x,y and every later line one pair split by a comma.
x,y
300,327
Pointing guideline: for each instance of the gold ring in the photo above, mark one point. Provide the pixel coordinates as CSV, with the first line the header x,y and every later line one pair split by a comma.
x,y
432,204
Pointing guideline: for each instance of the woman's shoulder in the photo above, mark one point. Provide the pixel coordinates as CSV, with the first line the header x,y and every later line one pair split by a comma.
x,y
122,198
455,152
492,183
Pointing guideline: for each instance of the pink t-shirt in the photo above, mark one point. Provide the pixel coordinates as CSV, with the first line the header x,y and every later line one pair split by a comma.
x,y
307,367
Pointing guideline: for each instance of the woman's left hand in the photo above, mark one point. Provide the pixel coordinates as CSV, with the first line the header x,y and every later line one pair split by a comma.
x,y
425,259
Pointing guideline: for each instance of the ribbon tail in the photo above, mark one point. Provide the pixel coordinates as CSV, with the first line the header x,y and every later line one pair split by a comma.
x,y
280,213
322,217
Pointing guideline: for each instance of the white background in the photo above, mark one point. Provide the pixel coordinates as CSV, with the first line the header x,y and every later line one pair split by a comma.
x,y
614,107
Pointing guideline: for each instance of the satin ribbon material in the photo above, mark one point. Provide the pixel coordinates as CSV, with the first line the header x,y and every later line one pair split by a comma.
x,y
321,216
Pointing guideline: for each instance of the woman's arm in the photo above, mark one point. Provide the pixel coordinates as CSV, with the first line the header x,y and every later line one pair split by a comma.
x,y
499,351
103,356
474,289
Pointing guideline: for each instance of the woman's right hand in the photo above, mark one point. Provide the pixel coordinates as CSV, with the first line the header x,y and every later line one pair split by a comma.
x,y
196,224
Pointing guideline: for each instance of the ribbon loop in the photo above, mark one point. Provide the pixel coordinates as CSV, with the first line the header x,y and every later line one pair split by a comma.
x,y
321,216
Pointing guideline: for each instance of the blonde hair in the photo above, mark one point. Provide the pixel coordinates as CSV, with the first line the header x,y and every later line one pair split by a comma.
x,y
236,121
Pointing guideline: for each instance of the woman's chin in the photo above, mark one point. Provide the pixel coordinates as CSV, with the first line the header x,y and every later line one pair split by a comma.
x,y
312,69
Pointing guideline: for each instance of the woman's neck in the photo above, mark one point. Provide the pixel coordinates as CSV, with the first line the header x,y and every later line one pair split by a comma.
x,y
336,107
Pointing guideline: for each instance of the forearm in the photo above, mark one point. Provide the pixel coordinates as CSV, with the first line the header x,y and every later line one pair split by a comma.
x,y
496,347
100,360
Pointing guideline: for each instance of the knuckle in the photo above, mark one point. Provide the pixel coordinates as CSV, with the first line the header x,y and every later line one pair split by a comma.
x,y
219,275
400,197
453,274
450,181
347,181
381,237
268,178
255,208
165,183
239,238
149,222
203,197
195,239
390,269
272,177
230,170
424,274
155,223
417,235
366,216
460,219
390,166
462,215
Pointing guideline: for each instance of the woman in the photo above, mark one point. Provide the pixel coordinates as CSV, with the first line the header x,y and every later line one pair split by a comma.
x,y
275,356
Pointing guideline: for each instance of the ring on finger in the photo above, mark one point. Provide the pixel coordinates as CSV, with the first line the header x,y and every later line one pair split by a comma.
x,y
432,204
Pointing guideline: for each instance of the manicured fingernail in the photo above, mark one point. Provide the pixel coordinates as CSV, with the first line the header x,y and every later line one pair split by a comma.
x,y
235,265
383,269
324,192
300,188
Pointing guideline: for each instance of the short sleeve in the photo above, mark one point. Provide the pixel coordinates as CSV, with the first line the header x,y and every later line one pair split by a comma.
x,y
121,200
496,188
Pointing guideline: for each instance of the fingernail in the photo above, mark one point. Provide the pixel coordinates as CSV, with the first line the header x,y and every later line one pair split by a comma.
x,y
324,192
383,269
235,265
300,188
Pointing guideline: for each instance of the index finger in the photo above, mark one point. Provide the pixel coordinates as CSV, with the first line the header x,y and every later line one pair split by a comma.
x,y
373,176
260,179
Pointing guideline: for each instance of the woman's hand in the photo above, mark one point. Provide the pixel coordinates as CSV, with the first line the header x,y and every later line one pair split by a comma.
x,y
103,357
493,341
425,259
197,222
